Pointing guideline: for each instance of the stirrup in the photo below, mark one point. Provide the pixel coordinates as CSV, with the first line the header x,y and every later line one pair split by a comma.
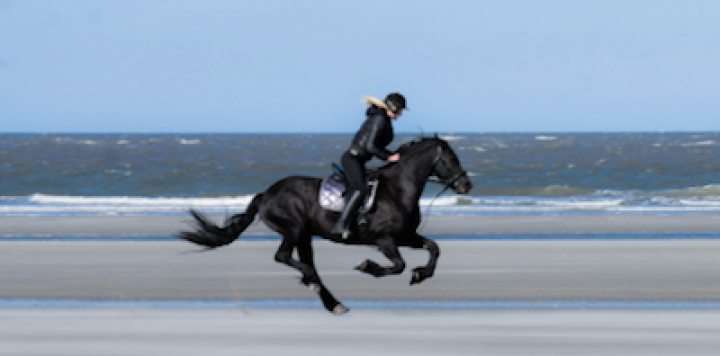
x,y
343,232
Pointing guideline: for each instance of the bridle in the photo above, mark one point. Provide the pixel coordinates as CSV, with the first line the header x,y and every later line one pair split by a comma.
x,y
451,182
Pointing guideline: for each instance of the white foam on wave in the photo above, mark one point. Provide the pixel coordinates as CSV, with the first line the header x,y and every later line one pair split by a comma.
x,y
559,205
189,142
152,201
545,138
452,138
699,203
476,149
700,143
472,202
119,171
606,202
40,204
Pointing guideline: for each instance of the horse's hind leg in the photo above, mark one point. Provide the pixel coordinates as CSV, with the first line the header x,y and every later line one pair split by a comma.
x,y
284,256
306,266
305,252
388,247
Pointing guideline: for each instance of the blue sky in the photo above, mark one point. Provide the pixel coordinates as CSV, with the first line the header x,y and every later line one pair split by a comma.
x,y
304,66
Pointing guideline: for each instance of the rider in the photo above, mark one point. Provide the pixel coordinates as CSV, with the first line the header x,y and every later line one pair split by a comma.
x,y
370,141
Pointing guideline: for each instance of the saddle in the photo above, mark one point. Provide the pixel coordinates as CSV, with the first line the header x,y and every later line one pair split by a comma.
x,y
333,188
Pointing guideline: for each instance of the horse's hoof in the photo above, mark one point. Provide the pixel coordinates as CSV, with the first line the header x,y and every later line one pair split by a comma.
x,y
362,267
371,268
340,309
419,275
415,278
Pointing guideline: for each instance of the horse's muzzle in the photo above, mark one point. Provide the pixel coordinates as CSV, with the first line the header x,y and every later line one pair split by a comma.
x,y
463,185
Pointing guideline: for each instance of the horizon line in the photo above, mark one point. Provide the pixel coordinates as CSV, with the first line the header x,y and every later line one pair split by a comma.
x,y
340,132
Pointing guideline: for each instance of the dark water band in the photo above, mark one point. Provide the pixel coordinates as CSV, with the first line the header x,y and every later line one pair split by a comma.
x,y
443,237
358,304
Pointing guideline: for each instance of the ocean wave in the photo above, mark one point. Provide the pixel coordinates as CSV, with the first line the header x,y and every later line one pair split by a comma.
x,y
641,168
189,142
504,202
142,201
709,190
628,204
561,190
476,149
40,204
700,143
689,200
551,190
451,137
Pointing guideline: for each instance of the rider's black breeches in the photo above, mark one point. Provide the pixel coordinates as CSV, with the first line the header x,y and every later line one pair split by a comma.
x,y
355,174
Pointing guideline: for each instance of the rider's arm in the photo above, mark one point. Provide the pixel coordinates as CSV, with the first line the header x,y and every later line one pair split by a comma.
x,y
377,124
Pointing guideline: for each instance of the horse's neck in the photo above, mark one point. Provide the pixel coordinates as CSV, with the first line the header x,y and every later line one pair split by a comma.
x,y
411,175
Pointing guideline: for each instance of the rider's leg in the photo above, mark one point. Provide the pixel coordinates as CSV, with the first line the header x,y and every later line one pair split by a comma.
x,y
355,193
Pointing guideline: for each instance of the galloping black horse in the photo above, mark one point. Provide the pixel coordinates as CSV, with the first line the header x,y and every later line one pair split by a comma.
x,y
291,208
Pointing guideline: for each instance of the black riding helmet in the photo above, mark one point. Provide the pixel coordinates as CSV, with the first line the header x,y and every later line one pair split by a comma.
x,y
395,102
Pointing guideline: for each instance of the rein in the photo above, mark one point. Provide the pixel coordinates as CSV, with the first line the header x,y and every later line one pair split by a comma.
x,y
452,181
449,182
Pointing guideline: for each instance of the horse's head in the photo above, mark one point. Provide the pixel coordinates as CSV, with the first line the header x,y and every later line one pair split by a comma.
x,y
448,169
445,164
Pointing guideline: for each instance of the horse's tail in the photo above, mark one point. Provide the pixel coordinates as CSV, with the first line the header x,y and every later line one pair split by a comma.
x,y
210,235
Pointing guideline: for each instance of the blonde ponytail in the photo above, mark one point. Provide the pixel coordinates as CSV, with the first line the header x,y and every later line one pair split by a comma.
x,y
369,100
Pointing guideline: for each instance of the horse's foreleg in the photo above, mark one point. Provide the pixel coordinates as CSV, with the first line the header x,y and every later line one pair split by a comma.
x,y
305,252
422,273
388,247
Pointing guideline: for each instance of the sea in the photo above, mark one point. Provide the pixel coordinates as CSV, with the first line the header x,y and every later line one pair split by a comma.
x,y
60,174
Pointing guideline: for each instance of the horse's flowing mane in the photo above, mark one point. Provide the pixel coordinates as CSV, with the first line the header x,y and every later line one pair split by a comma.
x,y
410,146
413,147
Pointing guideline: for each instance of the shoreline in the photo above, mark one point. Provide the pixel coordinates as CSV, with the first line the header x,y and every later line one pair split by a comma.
x,y
432,224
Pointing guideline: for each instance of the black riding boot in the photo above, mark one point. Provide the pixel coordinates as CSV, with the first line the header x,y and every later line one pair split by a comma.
x,y
342,226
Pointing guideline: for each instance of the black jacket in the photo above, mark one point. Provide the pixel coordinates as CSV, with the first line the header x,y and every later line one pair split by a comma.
x,y
374,135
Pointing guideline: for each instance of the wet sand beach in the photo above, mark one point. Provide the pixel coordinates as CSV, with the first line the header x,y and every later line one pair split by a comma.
x,y
596,297
372,332
561,271
627,269
433,224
